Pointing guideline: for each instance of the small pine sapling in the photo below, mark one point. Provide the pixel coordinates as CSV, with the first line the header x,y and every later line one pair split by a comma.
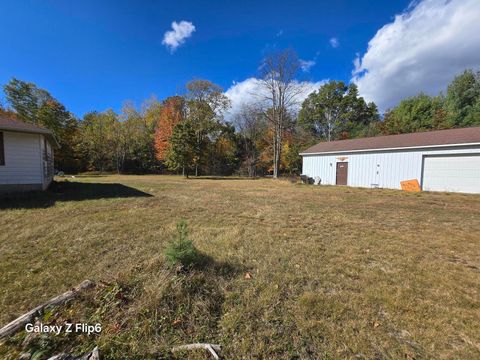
x,y
181,251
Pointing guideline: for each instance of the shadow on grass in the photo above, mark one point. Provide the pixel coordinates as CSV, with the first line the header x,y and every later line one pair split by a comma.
x,y
221,178
67,191
198,261
223,269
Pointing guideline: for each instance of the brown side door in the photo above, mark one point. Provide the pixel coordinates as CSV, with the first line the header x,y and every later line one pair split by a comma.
x,y
342,173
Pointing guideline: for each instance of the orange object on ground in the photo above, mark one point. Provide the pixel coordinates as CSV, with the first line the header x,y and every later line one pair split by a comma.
x,y
410,185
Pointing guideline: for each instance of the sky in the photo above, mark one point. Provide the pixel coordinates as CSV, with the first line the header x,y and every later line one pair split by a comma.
x,y
96,55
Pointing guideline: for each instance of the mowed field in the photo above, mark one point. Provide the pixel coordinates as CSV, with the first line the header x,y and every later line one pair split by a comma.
x,y
334,272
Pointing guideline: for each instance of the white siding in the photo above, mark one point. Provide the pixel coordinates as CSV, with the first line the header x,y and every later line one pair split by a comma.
x,y
23,159
384,169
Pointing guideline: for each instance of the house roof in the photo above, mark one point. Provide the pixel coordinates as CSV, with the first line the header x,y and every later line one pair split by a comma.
x,y
10,124
421,139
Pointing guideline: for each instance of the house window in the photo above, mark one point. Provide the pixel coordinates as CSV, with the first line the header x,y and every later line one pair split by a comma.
x,y
2,150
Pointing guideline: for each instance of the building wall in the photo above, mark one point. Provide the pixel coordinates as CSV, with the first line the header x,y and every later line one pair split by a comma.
x,y
23,159
383,169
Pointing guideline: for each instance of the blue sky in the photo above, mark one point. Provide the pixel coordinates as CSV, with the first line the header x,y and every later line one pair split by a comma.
x,y
94,55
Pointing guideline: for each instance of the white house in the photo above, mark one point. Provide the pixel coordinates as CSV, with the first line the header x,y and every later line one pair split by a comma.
x,y
26,156
443,160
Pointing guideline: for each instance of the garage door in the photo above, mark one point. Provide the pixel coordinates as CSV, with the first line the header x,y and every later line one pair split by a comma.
x,y
452,173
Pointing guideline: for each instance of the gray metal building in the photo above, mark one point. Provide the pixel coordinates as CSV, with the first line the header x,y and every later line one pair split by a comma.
x,y
443,160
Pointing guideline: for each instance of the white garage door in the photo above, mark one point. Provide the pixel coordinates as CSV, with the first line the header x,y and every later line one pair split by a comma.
x,y
452,173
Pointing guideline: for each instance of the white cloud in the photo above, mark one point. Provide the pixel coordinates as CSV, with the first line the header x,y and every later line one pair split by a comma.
x,y
243,93
421,50
334,42
305,65
176,37
249,92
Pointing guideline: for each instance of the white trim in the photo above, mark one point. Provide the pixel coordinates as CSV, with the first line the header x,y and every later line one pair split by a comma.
x,y
389,149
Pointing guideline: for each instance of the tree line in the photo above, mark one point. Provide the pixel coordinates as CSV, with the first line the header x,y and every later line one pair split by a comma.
x,y
459,107
189,134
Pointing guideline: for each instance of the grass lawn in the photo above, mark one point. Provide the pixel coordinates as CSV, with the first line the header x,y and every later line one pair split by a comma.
x,y
336,272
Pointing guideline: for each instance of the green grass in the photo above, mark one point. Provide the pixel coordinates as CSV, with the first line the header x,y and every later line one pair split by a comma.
x,y
336,272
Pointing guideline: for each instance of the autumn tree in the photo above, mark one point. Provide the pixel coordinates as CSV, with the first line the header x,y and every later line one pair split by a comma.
x,y
336,111
205,106
172,112
294,142
222,155
146,157
127,138
181,152
6,112
37,106
25,98
281,93
97,141
252,127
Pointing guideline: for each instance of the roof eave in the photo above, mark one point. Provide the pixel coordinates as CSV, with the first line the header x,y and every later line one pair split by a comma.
x,y
45,132
388,149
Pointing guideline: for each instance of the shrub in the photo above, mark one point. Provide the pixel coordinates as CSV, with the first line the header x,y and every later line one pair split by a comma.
x,y
181,251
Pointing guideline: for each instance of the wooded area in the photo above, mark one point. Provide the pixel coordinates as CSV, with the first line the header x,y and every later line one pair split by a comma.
x,y
190,134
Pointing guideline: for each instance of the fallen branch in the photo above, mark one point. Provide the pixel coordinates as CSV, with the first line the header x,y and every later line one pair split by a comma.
x,y
210,347
92,355
21,321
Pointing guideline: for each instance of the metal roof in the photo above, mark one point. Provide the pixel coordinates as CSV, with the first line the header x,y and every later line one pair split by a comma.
x,y
434,138
10,124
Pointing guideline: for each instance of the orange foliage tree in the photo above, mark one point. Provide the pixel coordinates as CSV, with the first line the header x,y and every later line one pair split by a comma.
x,y
171,114
7,112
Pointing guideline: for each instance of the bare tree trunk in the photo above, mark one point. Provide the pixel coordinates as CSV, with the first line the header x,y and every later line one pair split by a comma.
x,y
275,138
199,141
250,121
275,154
251,166
329,127
277,149
282,93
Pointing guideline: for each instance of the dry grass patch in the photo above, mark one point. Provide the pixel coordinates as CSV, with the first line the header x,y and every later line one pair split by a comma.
x,y
334,272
